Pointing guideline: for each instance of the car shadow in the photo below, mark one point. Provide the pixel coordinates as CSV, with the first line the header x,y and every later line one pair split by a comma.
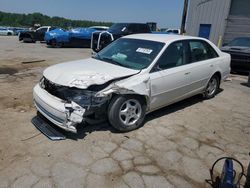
x,y
85,130
177,106
241,73
245,84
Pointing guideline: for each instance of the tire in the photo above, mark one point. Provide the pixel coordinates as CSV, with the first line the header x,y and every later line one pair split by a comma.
x,y
9,34
212,87
126,112
55,44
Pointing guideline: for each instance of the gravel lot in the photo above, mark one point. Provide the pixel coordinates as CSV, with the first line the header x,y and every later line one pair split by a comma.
x,y
175,148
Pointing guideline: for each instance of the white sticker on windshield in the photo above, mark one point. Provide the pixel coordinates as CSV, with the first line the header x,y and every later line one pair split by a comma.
x,y
144,50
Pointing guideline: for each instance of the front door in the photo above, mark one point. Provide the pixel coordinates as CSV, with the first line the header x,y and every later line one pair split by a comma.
x,y
170,76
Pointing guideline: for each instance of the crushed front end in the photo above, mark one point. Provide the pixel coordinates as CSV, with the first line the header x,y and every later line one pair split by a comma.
x,y
67,107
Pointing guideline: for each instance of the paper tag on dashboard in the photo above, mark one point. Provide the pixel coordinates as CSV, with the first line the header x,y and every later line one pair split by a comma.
x,y
144,50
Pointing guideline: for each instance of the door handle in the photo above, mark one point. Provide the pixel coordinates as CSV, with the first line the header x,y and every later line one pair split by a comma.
x,y
187,73
211,65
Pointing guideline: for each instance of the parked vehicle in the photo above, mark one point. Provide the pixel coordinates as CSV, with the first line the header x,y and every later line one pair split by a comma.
x,y
17,30
99,28
6,31
239,49
34,35
78,37
131,77
174,31
102,39
168,31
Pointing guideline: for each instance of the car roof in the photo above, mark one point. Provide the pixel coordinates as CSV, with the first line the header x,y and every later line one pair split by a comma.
x,y
166,38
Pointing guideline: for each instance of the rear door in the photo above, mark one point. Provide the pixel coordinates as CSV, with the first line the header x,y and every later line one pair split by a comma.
x,y
170,76
202,63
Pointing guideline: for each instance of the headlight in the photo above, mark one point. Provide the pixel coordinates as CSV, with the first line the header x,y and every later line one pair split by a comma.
x,y
41,83
85,98
99,100
81,99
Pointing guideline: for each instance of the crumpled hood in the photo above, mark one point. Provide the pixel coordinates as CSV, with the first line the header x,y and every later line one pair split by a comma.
x,y
86,72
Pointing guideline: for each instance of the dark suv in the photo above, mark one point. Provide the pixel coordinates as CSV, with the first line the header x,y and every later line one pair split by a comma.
x,y
100,39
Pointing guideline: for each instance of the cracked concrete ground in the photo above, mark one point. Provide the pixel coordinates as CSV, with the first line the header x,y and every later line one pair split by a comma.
x,y
175,148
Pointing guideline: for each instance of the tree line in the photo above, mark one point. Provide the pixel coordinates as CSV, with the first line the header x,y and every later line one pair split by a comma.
x,y
29,20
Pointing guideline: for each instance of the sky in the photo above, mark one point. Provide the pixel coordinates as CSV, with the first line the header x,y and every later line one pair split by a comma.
x,y
167,13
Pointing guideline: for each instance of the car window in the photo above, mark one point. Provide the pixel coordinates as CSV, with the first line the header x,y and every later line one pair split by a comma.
x,y
201,50
133,28
52,28
143,28
118,27
173,56
42,30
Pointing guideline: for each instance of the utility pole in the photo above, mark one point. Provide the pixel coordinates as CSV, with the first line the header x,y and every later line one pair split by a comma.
x,y
184,16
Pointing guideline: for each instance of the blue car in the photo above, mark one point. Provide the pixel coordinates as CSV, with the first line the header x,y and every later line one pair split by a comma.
x,y
78,37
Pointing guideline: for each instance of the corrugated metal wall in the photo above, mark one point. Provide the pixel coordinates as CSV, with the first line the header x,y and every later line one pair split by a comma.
x,y
238,22
237,26
214,12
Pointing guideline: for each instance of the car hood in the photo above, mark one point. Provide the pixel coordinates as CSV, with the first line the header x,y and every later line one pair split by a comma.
x,y
84,73
236,49
56,33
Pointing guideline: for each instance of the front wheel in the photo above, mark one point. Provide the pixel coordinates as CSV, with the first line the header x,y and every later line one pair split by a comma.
x,y
56,44
126,113
212,87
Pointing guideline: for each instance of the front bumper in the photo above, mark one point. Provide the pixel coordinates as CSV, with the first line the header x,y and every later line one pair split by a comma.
x,y
64,115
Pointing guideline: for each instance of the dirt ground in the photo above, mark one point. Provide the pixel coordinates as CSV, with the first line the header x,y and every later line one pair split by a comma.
x,y
175,148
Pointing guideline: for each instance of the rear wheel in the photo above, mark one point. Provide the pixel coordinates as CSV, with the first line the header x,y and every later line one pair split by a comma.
x,y
126,113
212,87
9,34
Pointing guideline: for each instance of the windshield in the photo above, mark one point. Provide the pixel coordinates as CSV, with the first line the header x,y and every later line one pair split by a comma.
x,y
131,53
119,27
240,42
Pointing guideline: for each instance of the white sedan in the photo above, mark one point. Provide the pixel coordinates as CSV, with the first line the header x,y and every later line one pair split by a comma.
x,y
131,77
5,31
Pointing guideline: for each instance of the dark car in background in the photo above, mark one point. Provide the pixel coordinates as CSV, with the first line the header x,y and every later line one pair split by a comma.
x,y
239,49
101,39
34,35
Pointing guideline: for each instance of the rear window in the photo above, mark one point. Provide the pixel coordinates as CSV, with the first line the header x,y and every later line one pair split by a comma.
x,y
201,50
118,27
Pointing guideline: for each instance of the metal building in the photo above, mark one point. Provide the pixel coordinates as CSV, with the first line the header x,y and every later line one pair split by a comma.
x,y
218,20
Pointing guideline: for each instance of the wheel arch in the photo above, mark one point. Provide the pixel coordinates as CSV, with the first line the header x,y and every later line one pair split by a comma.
x,y
144,98
217,73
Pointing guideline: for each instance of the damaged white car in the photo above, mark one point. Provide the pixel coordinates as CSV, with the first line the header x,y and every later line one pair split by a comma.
x,y
131,77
